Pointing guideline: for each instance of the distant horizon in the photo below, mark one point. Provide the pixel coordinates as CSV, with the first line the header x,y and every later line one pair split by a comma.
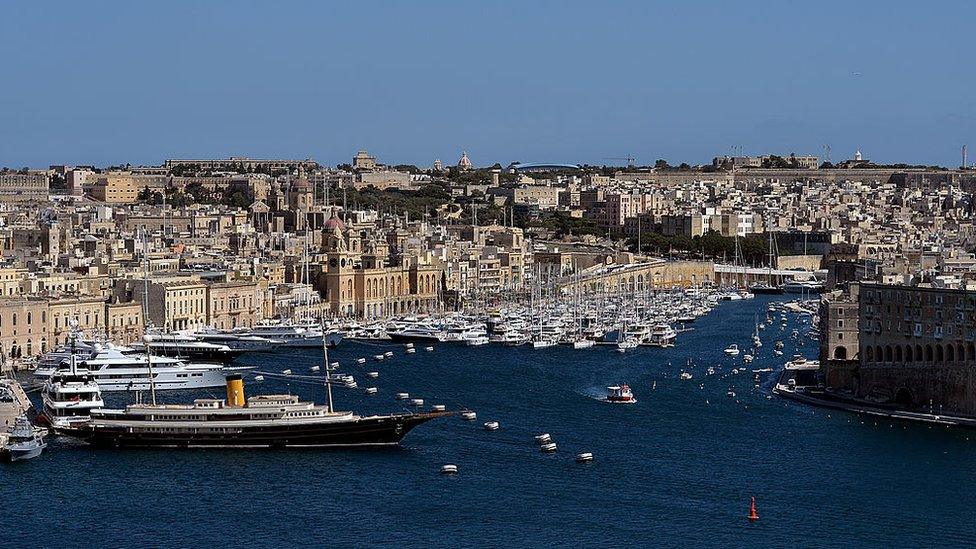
x,y
117,82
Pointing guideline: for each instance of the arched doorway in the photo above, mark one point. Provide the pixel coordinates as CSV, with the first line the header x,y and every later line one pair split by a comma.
x,y
904,398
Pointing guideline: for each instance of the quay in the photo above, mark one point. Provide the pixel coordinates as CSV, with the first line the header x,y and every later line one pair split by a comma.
x,y
826,400
13,402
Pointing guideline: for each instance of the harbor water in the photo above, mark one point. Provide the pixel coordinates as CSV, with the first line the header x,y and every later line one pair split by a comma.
x,y
677,468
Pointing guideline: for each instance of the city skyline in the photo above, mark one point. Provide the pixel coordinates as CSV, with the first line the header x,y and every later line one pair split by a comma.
x,y
543,82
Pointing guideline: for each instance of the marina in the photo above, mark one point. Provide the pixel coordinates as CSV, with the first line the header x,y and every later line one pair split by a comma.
x,y
681,442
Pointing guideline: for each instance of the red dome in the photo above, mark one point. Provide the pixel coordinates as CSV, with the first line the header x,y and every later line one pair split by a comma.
x,y
334,222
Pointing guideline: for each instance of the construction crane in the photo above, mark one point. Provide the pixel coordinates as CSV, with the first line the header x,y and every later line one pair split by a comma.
x,y
630,160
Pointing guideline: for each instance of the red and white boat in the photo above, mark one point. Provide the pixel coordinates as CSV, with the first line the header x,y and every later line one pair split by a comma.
x,y
620,394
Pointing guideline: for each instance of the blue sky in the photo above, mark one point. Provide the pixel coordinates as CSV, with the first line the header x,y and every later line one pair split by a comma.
x,y
115,82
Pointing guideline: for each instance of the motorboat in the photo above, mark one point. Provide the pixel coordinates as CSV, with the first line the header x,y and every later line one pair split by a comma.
x,y
583,343
661,335
619,394
732,350
23,441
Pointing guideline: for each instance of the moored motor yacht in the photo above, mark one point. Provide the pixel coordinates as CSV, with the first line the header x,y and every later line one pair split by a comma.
x,y
69,395
239,340
732,350
115,370
189,347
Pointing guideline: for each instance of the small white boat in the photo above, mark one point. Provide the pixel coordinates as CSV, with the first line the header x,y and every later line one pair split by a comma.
x,y
286,372
259,377
583,343
491,426
428,349
409,345
314,368
388,354
730,393
584,457
402,396
378,357
469,415
732,350
449,469
371,390
373,375
747,358
334,365
686,375
411,350
438,407
777,352
417,402
543,438
548,447
360,361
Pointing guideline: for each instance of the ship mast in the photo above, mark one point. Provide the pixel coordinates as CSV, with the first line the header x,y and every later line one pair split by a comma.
x,y
147,339
328,373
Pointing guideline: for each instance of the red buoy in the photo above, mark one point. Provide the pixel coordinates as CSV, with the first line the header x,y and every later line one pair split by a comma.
x,y
753,516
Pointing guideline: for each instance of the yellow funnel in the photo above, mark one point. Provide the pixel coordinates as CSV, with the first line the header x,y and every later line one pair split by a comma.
x,y
235,391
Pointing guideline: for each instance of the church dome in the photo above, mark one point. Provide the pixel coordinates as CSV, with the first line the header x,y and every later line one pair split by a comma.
x,y
334,223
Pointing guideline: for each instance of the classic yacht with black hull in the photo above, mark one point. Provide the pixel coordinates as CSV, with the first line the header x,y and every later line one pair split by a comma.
x,y
265,421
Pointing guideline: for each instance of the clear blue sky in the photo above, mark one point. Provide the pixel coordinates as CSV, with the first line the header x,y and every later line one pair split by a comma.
x,y
115,82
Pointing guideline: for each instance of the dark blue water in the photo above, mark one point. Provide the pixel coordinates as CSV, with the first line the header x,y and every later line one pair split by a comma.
x,y
676,469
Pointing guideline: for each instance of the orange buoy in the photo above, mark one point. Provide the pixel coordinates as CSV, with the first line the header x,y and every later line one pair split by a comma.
x,y
753,516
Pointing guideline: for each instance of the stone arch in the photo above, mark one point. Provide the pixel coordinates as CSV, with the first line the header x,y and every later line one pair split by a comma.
x,y
878,353
840,353
929,355
887,353
950,353
869,353
939,353
960,352
970,352
918,353
904,398
898,354
908,354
